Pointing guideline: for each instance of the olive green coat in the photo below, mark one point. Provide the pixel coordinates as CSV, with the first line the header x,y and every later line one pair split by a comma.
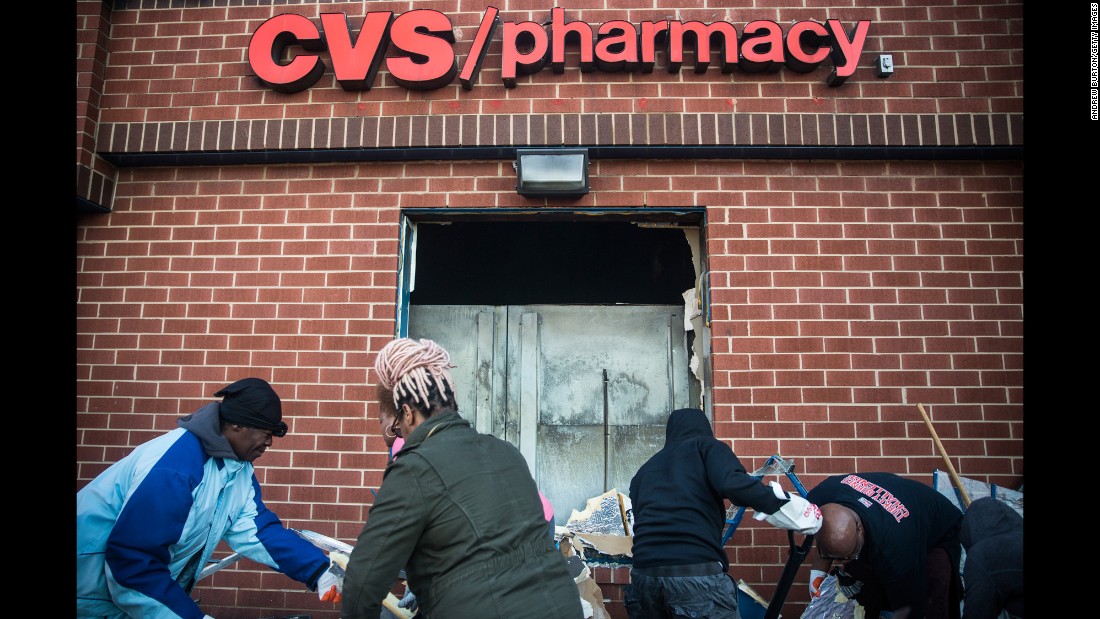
x,y
460,512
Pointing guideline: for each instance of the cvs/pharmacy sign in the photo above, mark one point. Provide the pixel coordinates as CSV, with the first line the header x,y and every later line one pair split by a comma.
x,y
284,50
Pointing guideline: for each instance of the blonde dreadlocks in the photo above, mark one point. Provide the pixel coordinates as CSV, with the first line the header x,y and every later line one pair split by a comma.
x,y
406,366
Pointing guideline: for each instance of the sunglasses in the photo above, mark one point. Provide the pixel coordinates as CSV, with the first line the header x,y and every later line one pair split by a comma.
x,y
851,557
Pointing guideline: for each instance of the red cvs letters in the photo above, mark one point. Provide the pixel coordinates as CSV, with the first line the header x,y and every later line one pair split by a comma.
x,y
284,52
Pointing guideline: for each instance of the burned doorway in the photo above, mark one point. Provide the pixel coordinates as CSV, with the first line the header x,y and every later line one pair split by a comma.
x,y
569,337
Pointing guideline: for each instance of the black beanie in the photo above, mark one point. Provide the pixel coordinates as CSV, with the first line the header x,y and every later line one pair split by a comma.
x,y
252,403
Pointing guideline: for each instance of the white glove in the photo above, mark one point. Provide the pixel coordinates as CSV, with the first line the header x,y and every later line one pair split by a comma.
x,y
330,585
797,513
816,578
207,617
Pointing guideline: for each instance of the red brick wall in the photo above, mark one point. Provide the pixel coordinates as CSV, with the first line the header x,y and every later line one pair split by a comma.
x,y
94,177
830,321
843,292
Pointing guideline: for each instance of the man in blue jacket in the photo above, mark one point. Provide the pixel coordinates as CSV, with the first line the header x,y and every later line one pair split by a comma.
x,y
148,524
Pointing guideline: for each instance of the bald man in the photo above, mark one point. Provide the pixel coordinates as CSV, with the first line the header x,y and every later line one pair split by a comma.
x,y
895,542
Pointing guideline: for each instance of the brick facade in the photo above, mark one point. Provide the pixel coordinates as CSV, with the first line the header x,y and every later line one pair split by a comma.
x,y
864,242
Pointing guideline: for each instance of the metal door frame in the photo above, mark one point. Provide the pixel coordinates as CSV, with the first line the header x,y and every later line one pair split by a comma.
x,y
693,216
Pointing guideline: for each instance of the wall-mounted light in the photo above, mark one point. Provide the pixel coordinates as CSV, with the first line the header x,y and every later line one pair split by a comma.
x,y
551,172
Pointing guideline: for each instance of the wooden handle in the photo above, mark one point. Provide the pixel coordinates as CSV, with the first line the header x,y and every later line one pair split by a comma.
x,y
943,454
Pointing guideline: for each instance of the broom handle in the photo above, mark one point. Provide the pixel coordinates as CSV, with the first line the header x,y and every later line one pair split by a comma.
x,y
943,454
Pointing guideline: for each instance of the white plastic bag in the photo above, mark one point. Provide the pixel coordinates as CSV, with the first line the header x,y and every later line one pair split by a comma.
x,y
832,604
798,514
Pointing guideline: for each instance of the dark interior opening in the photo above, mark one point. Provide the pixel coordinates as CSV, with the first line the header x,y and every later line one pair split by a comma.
x,y
550,262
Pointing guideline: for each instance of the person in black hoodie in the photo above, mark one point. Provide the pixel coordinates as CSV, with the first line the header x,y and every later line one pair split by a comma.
x,y
993,572
678,502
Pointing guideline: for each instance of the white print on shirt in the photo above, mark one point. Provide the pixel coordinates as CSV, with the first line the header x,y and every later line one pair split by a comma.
x,y
880,495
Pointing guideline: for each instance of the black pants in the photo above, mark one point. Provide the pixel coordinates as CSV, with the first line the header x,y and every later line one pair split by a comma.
x,y
711,596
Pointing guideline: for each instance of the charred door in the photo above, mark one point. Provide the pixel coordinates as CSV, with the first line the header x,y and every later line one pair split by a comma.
x,y
583,390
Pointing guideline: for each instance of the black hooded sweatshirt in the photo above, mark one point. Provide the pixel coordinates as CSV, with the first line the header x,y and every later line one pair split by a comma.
x,y
993,575
678,495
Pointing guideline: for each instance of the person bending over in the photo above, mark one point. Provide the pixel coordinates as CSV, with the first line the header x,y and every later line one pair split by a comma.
x,y
147,525
896,541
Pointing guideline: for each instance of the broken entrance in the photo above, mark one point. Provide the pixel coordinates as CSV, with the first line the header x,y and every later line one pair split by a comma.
x,y
569,337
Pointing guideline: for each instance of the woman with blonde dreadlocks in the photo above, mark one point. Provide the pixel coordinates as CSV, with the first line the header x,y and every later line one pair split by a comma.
x,y
458,510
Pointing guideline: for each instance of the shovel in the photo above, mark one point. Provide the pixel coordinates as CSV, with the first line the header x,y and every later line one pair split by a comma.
x,y
790,570
324,542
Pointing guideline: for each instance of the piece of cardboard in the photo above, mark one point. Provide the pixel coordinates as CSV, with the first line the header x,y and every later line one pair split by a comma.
x,y
390,604
604,525
606,513
591,593
613,545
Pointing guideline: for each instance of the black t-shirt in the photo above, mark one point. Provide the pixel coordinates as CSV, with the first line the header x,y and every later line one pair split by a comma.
x,y
902,520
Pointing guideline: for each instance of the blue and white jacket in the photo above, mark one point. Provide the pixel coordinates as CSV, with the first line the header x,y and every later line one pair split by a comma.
x,y
148,524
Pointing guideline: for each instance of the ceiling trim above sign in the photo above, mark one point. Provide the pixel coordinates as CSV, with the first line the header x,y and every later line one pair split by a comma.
x,y
284,50
343,155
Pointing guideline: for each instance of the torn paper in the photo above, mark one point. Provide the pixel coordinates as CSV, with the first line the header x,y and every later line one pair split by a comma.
x,y
605,525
